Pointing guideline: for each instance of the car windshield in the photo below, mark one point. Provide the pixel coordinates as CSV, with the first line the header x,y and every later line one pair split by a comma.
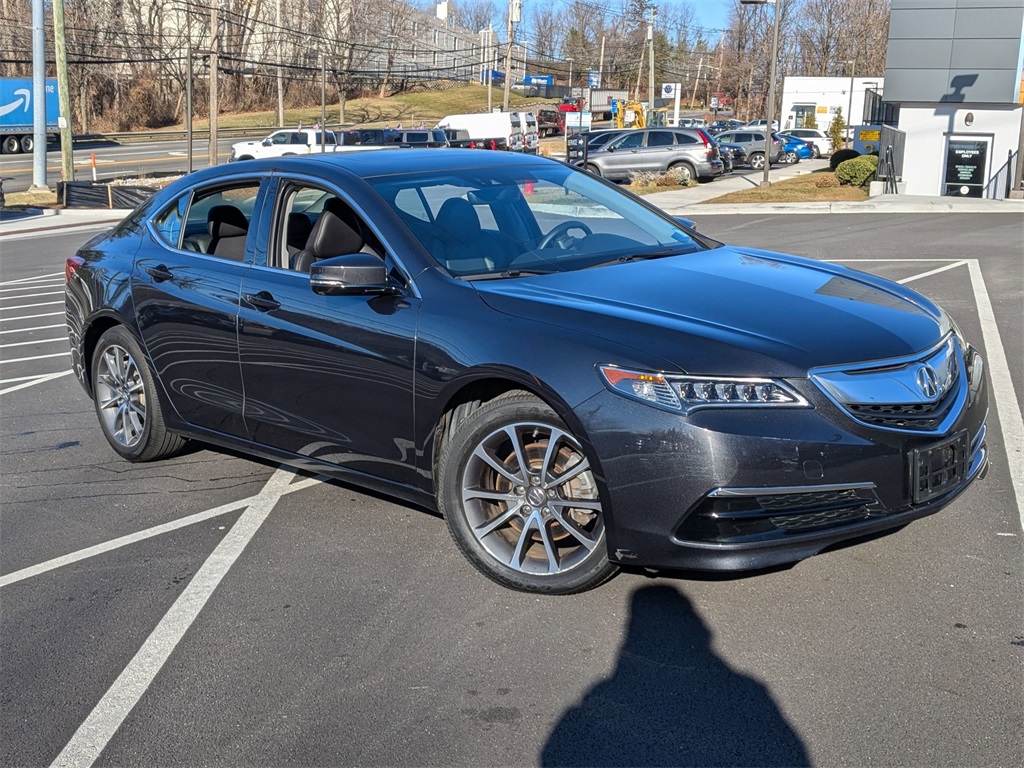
x,y
509,222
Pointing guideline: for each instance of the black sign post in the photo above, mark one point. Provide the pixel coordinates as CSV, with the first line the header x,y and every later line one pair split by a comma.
x,y
966,166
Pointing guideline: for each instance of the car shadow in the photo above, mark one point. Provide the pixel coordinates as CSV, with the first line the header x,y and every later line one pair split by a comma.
x,y
671,701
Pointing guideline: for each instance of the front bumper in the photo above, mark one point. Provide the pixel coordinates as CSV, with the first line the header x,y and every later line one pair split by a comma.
x,y
725,490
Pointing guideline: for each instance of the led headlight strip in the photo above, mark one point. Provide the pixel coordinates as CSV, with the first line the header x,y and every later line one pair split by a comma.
x,y
683,393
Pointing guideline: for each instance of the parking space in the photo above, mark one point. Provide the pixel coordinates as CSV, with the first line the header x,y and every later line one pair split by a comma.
x,y
212,609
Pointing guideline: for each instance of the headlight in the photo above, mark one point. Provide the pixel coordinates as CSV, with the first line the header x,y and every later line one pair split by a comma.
x,y
683,393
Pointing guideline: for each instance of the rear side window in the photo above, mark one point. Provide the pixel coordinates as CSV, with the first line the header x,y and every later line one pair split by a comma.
x,y
659,139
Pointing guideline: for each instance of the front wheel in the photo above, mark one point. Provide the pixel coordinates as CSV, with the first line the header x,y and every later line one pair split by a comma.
x,y
126,400
594,169
756,161
521,500
792,158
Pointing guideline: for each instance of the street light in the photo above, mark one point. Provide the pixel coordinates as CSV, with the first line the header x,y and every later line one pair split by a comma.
x,y
771,88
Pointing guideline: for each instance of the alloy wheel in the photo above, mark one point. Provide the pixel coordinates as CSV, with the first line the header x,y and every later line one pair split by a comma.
x,y
121,395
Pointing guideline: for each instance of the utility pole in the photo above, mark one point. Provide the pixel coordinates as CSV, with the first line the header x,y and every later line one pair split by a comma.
x,y
60,48
650,56
38,99
600,65
213,82
280,71
490,66
515,9
188,103
849,109
323,103
700,66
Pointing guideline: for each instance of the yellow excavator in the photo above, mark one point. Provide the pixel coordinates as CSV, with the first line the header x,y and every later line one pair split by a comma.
x,y
630,114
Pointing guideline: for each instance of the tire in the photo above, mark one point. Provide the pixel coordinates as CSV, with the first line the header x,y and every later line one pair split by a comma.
x,y
11,145
126,399
28,143
540,530
756,160
816,153
685,170
792,158
593,169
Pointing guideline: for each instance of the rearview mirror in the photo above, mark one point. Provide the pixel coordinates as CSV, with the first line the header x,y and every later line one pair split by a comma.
x,y
351,274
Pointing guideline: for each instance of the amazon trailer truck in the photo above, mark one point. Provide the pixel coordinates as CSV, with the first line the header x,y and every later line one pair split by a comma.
x,y
16,113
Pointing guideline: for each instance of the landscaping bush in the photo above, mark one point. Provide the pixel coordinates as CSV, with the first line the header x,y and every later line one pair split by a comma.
x,y
858,171
826,180
673,178
841,156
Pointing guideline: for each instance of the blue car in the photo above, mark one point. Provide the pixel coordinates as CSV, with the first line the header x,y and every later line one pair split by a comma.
x,y
794,150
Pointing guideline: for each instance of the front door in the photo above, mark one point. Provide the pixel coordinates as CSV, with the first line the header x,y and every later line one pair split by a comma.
x,y
328,377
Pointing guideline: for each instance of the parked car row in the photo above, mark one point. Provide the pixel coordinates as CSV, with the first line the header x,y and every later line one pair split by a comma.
x,y
692,152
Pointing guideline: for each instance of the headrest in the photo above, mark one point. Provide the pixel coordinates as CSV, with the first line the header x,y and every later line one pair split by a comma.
x,y
299,227
458,217
226,221
336,232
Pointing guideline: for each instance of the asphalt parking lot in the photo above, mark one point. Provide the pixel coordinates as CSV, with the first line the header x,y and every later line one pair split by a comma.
x,y
215,610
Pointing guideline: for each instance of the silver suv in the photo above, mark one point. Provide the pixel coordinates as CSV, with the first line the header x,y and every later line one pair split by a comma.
x,y
693,152
752,142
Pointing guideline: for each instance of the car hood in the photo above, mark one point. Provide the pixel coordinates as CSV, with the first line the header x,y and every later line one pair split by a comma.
x,y
730,311
256,143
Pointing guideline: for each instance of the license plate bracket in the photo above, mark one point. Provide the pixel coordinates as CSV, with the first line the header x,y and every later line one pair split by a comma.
x,y
939,467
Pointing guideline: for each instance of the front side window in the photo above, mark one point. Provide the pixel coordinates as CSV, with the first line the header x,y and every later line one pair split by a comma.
x,y
169,224
281,137
628,141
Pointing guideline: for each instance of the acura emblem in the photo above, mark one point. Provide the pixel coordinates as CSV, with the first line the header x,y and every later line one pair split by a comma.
x,y
927,382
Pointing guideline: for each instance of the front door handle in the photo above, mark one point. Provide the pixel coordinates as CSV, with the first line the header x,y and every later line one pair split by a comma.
x,y
263,301
160,273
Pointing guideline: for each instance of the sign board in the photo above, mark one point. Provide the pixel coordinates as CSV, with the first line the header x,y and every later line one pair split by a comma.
x,y
966,166
540,79
593,79
576,122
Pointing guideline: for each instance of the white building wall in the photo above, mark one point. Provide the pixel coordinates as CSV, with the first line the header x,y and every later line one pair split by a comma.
x,y
928,125
827,94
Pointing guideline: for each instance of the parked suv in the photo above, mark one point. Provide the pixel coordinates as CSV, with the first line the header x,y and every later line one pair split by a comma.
x,y
421,137
692,151
753,144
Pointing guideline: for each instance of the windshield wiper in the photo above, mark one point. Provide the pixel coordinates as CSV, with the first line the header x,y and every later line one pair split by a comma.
x,y
511,273
674,250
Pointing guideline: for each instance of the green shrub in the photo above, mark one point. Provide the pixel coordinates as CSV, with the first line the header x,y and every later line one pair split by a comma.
x,y
841,156
858,171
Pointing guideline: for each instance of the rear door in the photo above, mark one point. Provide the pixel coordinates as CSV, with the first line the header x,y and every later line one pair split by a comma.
x,y
186,287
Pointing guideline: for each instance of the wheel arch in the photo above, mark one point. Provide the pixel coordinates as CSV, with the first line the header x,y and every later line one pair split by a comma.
x,y
481,386
90,339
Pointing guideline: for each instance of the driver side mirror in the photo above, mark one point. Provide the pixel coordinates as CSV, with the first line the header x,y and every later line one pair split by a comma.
x,y
267,142
688,223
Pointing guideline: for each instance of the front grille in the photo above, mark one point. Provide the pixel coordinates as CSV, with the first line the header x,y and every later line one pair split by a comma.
x,y
918,393
919,417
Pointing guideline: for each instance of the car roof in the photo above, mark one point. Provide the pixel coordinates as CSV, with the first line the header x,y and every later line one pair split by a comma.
x,y
383,162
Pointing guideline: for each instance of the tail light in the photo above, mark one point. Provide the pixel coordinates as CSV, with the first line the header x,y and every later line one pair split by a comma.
x,y
71,266
494,144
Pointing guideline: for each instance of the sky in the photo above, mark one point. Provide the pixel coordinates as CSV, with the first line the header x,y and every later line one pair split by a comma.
x,y
711,14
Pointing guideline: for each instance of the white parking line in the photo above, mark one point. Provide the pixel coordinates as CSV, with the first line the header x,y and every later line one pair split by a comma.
x,y
37,357
36,328
32,317
29,343
31,381
33,287
28,306
912,278
99,727
31,295
31,279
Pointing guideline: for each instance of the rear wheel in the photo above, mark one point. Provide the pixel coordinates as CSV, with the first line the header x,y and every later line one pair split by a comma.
x,y
11,145
815,152
521,500
28,143
684,170
792,158
756,160
126,400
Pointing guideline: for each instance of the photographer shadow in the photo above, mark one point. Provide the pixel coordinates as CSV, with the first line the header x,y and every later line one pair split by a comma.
x,y
672,702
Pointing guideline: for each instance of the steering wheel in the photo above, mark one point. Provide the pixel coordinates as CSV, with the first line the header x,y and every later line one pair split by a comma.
x,y
559,235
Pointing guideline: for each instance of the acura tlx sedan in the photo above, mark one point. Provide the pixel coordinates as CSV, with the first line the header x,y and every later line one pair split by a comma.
x,y
573,379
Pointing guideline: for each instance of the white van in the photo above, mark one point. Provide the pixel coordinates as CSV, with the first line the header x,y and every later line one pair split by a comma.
x,y
531,132
490,130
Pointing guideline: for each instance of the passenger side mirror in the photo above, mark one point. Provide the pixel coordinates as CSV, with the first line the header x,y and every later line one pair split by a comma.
x,y
357,274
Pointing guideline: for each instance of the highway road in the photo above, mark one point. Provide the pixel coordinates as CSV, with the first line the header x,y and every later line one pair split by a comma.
x,y
114,160
215,610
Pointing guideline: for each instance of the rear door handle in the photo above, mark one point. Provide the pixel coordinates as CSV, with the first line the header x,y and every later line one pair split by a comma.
x,y
262,301
160,273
